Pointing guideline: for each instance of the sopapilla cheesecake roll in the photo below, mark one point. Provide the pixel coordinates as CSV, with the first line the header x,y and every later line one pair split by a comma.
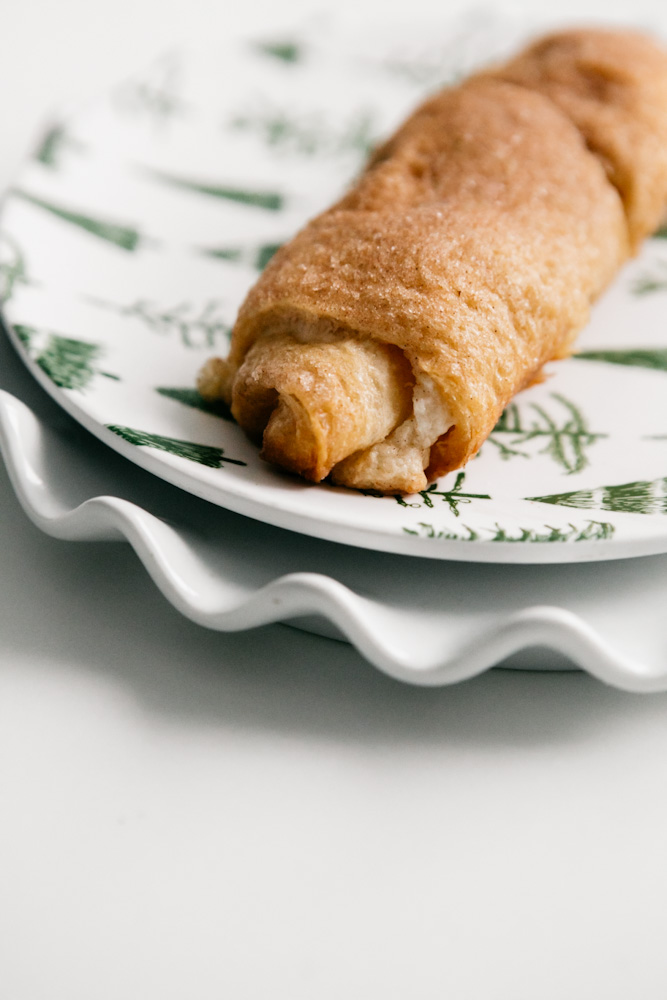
x,y
380,346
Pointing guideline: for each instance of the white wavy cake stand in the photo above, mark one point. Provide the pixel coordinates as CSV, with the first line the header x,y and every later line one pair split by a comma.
x,y
420,621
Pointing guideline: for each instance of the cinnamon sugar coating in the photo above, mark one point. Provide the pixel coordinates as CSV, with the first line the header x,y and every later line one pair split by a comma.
x,y
474,243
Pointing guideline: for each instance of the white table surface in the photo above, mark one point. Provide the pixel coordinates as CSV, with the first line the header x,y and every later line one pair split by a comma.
x,y
190,814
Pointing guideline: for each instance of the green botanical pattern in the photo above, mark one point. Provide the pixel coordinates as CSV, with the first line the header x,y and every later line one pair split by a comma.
x,y
270,130
435,66
69,363
155,95
287,51
205,454
635,357
52,145
24,334
12,267
422,72
272,201
190,397
652,281
453,498
197,326
566,435
122,236
255,256
591,531
310,134
642,497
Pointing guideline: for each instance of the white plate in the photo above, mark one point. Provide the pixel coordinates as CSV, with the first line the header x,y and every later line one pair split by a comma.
x,y
131,238
426,623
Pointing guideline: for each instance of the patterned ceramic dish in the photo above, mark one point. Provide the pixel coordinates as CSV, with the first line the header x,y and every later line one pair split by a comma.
x,y
421,621
129,241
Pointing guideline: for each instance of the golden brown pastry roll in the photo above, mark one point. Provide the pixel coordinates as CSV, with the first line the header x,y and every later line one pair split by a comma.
x,y
380,346
613,86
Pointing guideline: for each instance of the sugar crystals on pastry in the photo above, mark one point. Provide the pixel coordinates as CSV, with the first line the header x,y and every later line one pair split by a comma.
x,y
381,344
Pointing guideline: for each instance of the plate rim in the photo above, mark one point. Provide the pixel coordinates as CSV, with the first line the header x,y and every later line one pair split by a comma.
x,y
236,494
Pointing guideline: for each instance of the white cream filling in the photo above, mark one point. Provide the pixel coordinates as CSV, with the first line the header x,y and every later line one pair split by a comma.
x,y
404,454
400,458
411,442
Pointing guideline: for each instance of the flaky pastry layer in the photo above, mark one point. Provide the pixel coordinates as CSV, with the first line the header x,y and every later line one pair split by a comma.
x,y
383,342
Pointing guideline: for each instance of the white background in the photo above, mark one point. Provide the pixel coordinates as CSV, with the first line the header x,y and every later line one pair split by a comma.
x,y
188,814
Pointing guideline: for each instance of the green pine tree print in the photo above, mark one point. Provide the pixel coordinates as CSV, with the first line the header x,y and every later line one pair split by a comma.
x,y
13,270
641,497
69,363
443,63
50,149
271,201
265,253
24,334
121,236
566,435
453,497
190,397
256,257
590,531
309,134
655,358
197,326
285,51
652,281
155,95
205,454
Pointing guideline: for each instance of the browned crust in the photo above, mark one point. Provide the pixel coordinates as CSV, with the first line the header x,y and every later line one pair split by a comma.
x,y
312,404
613,86
479,235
